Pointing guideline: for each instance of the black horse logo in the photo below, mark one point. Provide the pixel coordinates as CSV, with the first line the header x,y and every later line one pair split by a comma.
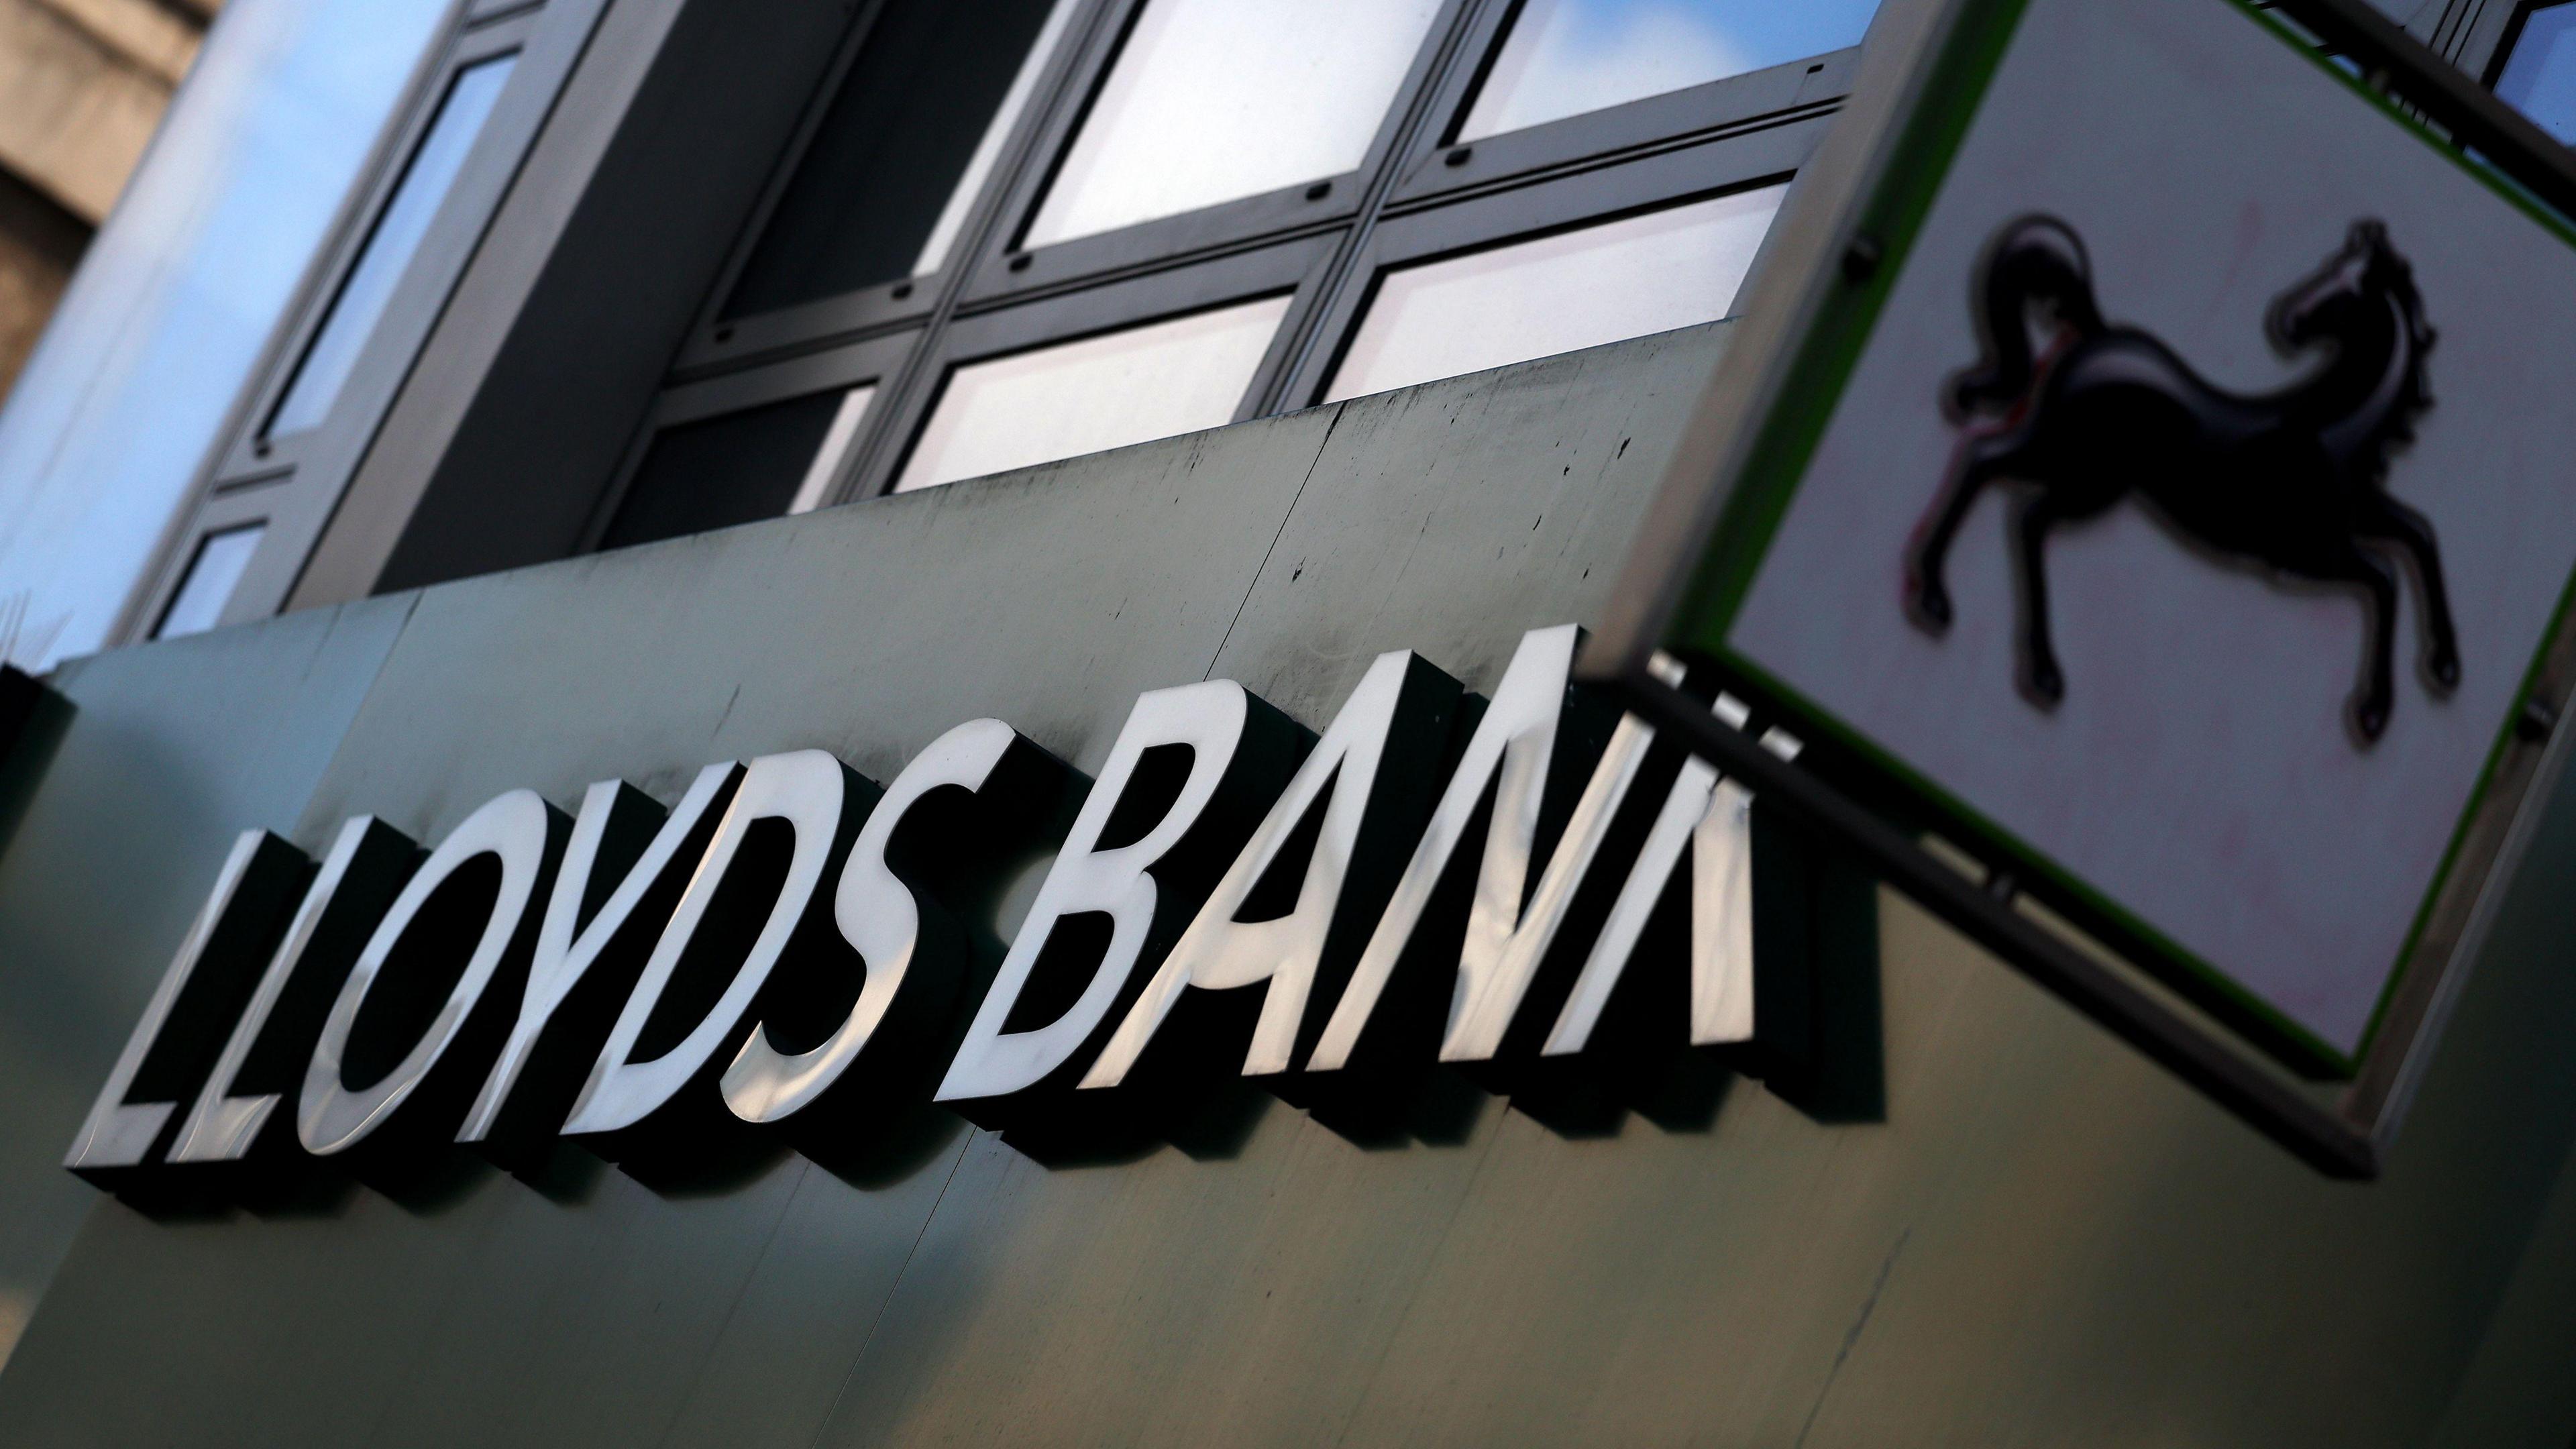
x,y
2292,482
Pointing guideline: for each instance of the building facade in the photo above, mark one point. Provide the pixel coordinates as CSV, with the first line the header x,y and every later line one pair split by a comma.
x,y
85,84
710,380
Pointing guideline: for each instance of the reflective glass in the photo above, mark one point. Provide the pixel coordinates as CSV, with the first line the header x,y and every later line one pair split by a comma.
x,y
739,467
212,574
388,250
2539,77
1215,100
1581,288
179,292
837,439
1101,392
1564,57
894,164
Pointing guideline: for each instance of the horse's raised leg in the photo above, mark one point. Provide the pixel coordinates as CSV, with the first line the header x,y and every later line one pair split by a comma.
x,y
1927,593
2413,532
2370,700
2041,680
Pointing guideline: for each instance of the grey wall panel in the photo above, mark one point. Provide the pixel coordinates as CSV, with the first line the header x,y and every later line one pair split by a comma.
x,y
2517,1390
1170,1301
285,1330
1050,598
2046,1241
811,1305
167,752
1448,519
583,1321
1251,1300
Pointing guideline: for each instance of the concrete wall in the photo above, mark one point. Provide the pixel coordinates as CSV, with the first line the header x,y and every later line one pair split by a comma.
x,y
82,85
2045,1241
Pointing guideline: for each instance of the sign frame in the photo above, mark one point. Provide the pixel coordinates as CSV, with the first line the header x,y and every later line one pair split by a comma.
x,y
1806,315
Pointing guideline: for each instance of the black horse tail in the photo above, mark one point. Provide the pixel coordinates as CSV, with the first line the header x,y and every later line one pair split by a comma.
x,y
2035,261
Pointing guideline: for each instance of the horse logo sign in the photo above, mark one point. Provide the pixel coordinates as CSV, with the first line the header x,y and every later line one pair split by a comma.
x,y
2291,482
2089,597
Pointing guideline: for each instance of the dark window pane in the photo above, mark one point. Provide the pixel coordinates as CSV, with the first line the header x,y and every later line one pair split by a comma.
x,y
731,469
898,156
2539,77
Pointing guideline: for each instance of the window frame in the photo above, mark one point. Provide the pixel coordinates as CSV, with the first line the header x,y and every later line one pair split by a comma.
x,y
442,248
1404,204
1004,270
1763,152
292,482
715,341
877,360
450,442
1296,267
1438,164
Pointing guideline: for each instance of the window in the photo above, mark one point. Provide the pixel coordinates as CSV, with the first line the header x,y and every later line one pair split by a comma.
x,y
1194,211
2538,77
1009,231
902,150
211,578
1101,392
756,463
748,445
1215,100
1563,58
1574,289
345,344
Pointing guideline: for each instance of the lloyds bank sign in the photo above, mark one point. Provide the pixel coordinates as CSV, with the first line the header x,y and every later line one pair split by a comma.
x,y
794,949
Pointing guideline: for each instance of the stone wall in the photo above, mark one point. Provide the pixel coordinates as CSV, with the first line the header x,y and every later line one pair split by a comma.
x,y
82,85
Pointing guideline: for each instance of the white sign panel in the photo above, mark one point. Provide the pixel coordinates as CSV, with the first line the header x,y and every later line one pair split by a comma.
x,y
2159,487
2212,758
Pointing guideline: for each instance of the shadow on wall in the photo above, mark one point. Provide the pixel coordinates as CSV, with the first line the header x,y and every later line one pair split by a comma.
x,y
33,720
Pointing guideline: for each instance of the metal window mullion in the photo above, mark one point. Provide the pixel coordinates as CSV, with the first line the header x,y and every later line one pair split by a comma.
x,y
1712,110
1424,105
1294,267
867,470
709,331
